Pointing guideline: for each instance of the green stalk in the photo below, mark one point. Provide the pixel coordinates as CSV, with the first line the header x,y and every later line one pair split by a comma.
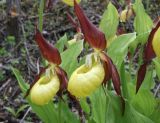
x,y
59,110
124,82
40,11
109,87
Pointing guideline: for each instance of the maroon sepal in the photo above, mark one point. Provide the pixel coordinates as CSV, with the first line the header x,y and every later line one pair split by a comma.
x,y
93,35
62,76
37,77
141,76
149,53
49,52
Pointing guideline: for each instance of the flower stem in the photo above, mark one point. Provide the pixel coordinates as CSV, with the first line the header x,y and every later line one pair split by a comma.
x,y
59,110
124,82
41,9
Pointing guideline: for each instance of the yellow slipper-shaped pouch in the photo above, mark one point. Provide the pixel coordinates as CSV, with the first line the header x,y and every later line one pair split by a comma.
x,y
85,80
44,89
156,43
71,2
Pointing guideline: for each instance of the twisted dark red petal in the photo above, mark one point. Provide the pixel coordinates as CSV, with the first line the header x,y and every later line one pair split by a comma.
x,y
93,35
62,75
141,76
112,73
49,52
107,67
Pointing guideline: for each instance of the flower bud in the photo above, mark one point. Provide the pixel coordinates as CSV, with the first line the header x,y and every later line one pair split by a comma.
x,y
85,80
156,43
125,15
71,2
45,89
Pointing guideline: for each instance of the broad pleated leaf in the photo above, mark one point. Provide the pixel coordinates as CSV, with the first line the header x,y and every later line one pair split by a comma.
x,y
69,57
61,43
157,67
109,21
119,48
142,22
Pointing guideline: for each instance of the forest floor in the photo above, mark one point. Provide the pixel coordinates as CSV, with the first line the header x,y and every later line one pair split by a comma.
x,y
22,53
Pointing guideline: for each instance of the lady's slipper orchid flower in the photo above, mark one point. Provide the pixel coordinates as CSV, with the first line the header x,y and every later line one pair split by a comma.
x,y
52,79
44,89
152,50
86,79
71,2
98,68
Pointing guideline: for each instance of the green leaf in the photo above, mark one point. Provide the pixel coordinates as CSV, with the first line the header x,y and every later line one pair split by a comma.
x,y
132,116
109,21
23,85
155,115
11,110
85,106
148,82
106,108
157,66
99,103
69,57
114,112
61,43
142,22
21,109
144,101
119,48
66,115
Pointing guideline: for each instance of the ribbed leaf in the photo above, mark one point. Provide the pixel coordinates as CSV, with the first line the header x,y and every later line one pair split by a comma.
x,y
61,43
109,21
119,48
155,115
142,22
69,55
157,66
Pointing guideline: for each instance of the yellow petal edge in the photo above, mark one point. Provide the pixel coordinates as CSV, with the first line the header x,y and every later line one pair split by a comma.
x,y
85,80
71,2
44,89
156,43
